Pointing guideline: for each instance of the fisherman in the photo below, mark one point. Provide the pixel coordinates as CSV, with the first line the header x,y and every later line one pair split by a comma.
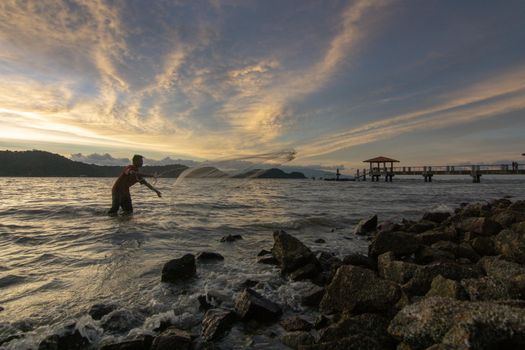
x,y
120,191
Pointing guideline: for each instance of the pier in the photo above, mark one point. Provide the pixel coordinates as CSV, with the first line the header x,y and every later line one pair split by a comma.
x,y
383,167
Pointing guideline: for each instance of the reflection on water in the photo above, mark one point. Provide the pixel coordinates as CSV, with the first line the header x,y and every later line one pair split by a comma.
x,y
60,253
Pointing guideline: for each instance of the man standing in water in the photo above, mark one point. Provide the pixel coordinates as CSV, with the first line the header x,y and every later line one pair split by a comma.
x,y
120,191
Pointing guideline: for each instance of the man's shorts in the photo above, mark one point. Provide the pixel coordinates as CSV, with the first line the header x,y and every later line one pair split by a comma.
x,y
121,200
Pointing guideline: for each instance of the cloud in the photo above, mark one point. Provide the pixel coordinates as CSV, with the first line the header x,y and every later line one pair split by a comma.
x,y
108,159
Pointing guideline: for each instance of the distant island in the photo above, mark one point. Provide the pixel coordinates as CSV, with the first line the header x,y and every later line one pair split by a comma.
x,y
37,163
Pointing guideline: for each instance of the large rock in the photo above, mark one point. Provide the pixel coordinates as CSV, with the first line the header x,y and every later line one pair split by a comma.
x,y
396,271
69,338
295,324
488,288
313,296
121,321
422,226
438,234
399,243
356,289
425,255
459,324
209,257
251,305
484,246
216,323
495,266
506,218
511,245
179,269
436,216
139,343
172,338
98,311
349,342
480,226
421,282
462,250
290,252
366,226
298,340
445,288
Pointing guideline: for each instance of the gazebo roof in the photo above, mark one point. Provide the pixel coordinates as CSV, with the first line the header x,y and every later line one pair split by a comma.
x,y
381,160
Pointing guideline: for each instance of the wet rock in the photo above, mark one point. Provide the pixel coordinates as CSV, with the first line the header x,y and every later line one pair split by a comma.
x,y
295,324
313,297
436,216
488,288
501,203
249,283
445,288
371,325
322,322
501,269
172,338
320,241
209,257
290,252
263,252
399,243
179,269
308,271
475,210
482,325
388,226
519,227
357,259
231,238
297,340
438,234
426,255
505,218
480,226
396,271
216,323
355,289
204,304
422,226
267,260
350,342
251,305
483,246
421,282
366,226
120,321
518,206
328,261
511,245
98,311
141,343
69,338
462,250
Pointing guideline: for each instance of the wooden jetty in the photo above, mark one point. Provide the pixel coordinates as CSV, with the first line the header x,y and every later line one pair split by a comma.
x,y
384,167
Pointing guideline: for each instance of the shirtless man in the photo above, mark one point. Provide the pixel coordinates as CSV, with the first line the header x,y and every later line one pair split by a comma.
x,y
120,191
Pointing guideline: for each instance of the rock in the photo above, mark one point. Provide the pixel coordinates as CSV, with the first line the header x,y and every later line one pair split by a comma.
x,y
445,288
141,343
296,323
172,338
399,243
462,250
355,289
421,282
426,255
488,288
475,210
320,241
203,303
328,261
308,271
321,322
483,246
209,257
422,226
480,226
313,297
251,305
120,321
351,342
396,271
436,216
438,234
296,340
290,252
511,245
179,269
519,227
69,338
481,325
388,226
357,259
501,203
97,311
518,206
231,238
264,252
1,309
267,259
368,324
366,226
216,323
501,269
505,218
249,283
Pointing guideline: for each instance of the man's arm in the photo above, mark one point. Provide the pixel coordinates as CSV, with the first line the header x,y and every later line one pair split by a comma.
x,y
148,185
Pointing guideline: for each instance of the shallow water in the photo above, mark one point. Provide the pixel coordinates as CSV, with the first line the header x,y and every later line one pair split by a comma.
x,y
60,253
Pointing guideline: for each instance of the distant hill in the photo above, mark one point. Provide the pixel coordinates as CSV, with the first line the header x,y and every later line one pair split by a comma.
x,y
272,173
45,164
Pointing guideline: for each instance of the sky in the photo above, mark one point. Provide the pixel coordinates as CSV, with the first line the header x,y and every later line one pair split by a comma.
x,y
431,82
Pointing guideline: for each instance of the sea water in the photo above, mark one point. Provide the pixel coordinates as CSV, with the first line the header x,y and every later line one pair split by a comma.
x,y
60,253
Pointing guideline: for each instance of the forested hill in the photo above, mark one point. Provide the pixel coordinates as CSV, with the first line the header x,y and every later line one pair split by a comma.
x,y
45,164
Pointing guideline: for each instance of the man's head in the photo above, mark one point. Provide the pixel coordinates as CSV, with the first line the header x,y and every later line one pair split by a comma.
x,y
138,160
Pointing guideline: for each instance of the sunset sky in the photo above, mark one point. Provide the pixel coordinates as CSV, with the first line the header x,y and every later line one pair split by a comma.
x,y
426,82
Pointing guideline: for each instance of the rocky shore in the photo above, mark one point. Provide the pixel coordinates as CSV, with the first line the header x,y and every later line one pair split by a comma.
x,y
448,281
